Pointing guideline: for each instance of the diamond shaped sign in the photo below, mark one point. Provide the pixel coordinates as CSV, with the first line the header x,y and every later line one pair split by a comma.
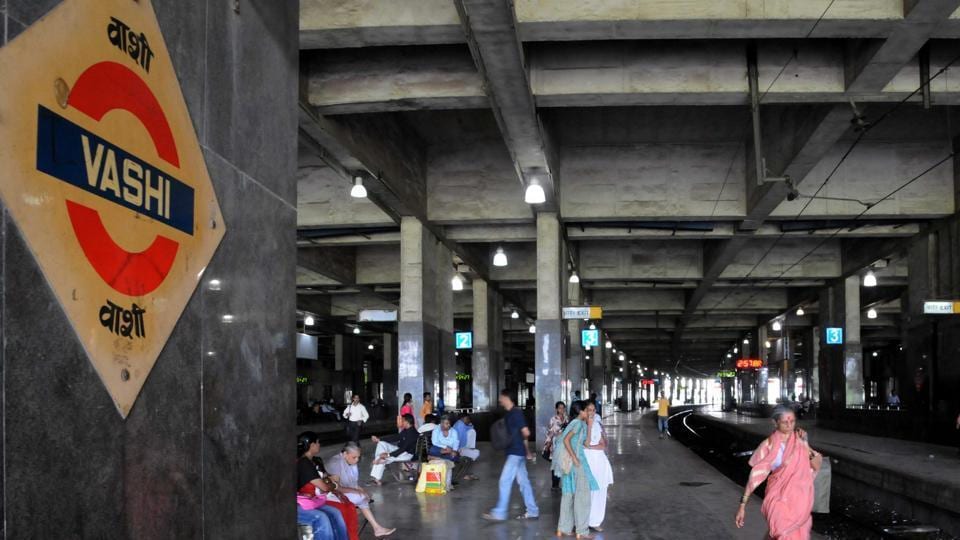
x,y
104,177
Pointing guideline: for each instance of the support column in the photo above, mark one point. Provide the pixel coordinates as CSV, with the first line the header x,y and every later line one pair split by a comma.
x,y
763,374
447,377
549,336
573,368
596,368
418,359
841,367
390,396
486,356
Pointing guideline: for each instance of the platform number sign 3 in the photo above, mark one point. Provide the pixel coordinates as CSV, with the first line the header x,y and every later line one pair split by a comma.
x,y
834,336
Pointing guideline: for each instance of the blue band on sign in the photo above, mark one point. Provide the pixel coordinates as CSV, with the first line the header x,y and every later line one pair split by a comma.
x,y
72,154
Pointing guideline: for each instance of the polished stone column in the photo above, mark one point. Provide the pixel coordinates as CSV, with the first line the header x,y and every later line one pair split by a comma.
x,y
486,349
418,354
447,374
597,372
550,328
763,374
852,346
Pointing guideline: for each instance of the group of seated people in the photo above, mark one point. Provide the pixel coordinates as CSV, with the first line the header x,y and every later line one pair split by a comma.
x,y
329,495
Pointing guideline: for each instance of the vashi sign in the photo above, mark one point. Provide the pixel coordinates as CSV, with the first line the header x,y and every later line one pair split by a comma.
x,y
105,179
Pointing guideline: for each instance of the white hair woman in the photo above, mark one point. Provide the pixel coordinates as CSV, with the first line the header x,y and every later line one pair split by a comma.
x,y
787,463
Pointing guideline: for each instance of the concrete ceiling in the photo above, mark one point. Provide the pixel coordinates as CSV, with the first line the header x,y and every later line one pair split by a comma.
x,y
639,114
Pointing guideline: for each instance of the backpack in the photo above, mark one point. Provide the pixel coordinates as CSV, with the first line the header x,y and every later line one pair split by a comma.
x,y
499,435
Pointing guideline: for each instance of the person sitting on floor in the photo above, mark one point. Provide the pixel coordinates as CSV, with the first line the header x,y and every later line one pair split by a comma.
x,y
444,446
313,481
343,467
464,427
429,424
395,448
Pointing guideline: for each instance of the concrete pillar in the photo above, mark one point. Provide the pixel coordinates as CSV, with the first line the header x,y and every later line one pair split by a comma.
x,y
487,346
763,373
597,372
447,375
841,369
573,365
422,288
390,396
852,346
549,336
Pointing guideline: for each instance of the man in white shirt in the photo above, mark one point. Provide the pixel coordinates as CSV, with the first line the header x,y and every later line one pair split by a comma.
x,y
356,415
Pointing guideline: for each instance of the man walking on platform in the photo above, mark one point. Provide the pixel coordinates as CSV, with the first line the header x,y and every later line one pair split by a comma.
x,y
515,466
663,414
356,415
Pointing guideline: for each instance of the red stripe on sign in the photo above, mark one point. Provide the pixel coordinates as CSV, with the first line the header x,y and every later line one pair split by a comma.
x,y
133,274
107,86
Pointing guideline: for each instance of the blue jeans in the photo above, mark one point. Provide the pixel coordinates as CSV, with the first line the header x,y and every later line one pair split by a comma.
x,y
662,424
326,522
515,468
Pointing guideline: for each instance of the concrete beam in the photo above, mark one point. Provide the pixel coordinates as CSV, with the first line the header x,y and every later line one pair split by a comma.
x,y
365,23
490,27
871,66
338,264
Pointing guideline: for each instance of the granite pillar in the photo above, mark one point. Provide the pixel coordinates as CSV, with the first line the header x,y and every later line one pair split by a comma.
x,y
763,373
550,328
206,450
596,369
447,377
841,370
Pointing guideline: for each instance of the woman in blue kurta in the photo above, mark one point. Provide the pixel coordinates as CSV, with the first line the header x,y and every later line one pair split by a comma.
x,y
576,480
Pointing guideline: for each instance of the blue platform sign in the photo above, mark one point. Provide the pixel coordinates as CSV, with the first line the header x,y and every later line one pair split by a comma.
x,y
834,336
590,338
464,340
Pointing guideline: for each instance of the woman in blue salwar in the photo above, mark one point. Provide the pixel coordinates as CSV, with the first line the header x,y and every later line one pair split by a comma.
x,y
576,480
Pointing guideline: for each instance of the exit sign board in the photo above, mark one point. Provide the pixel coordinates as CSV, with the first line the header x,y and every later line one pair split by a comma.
x,y
584,312
941,308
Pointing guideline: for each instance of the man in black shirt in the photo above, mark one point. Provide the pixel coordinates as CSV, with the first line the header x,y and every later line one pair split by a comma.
x,y
393,448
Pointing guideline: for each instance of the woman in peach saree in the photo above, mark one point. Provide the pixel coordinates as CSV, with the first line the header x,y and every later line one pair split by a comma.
x,y
788,464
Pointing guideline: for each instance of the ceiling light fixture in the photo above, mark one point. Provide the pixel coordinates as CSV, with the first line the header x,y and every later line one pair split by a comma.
x,y
457,282
370,346
777,326
500,258
609,344
767,344
746,341
533,329
356,330
534,193
308,321
593,326
358,191
871,313
514,315
574,278
870,280
800,311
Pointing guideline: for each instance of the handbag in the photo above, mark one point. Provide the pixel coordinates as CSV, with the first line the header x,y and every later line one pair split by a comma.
x,y
311,503
433,478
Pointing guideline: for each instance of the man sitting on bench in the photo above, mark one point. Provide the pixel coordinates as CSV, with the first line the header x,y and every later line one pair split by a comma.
x,y
444,446
468,443
394,448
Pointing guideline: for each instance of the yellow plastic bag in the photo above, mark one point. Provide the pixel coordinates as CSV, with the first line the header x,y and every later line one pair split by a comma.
x,y
433,479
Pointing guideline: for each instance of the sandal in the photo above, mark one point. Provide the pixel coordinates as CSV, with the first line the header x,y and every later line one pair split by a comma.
x,y
526,516
385,534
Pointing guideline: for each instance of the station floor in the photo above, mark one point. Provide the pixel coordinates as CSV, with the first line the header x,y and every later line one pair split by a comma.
x,y
662,491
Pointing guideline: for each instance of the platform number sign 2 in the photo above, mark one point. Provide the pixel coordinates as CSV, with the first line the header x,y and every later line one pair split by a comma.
x,y
464,340
834,336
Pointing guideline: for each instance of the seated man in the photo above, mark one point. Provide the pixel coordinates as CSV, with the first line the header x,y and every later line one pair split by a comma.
x,y
393,448
343,467
444,446
468,442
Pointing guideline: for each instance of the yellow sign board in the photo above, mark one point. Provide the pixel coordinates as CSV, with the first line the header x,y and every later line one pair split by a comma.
x,y
105,179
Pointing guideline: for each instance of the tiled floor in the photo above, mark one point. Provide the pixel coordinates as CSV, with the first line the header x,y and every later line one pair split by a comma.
x,y
662,491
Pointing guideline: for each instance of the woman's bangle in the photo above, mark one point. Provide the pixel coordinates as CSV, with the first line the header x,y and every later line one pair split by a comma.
x,y
744,499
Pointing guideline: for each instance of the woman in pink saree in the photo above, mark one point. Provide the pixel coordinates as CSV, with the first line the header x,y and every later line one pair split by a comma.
x,y
788,464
